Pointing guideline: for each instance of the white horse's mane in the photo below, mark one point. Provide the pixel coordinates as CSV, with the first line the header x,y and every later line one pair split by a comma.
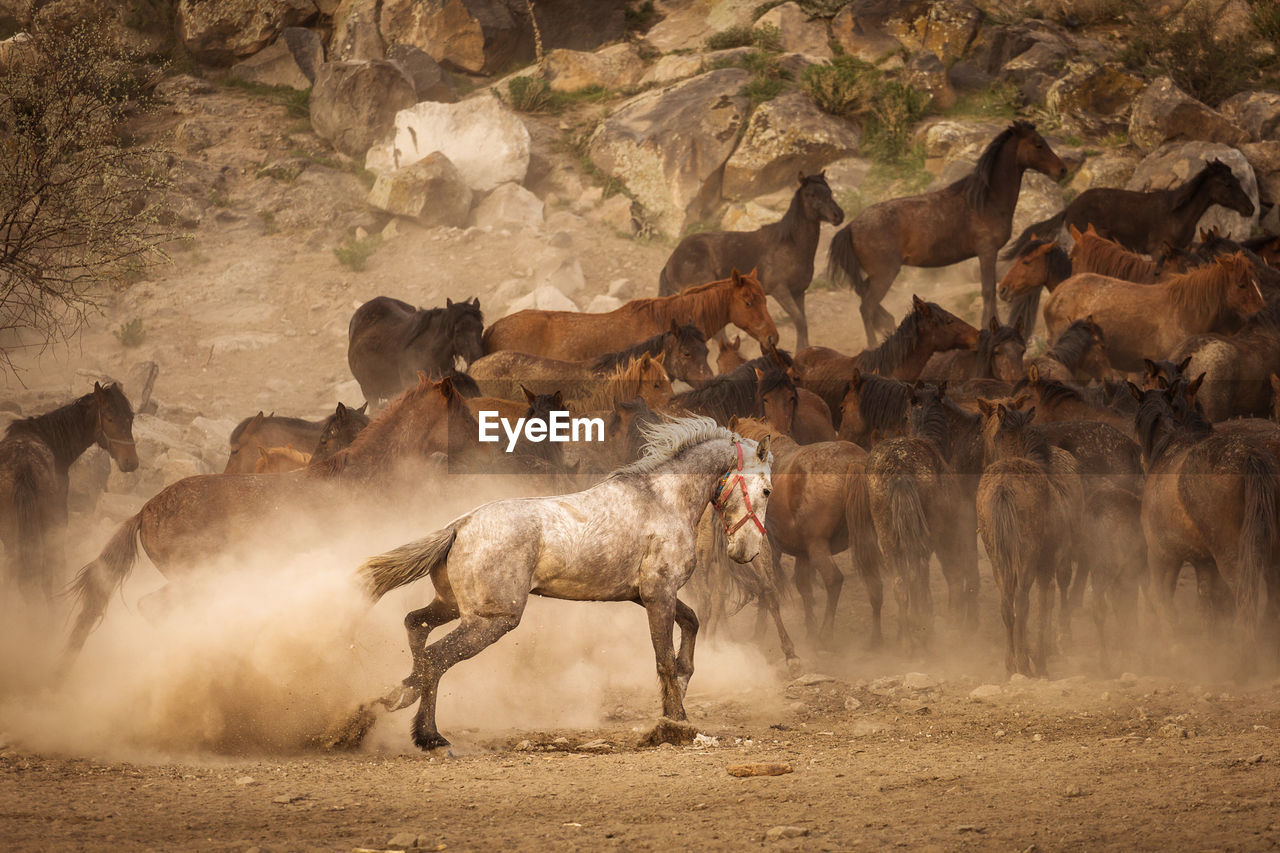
x,y
664,439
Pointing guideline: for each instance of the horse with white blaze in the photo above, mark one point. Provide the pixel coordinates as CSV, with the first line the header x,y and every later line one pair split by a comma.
x,y
630,538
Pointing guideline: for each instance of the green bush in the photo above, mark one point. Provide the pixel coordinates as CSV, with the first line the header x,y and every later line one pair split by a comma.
x,y
844,88
529,94
354,254
131,333
854,89
886,134
765,37
769,79
1264,18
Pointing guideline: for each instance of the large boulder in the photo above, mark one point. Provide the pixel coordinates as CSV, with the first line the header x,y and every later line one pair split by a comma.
x,y
510,206
1165,113
1109,169
859,30
486,141
1094,100
1175,162
945,28
356,36
950,139
292,60
687,25
431,191
353,104
668,145
1256,113
926,73
785,136
799,33
618,66
1264,157
429,79
222,32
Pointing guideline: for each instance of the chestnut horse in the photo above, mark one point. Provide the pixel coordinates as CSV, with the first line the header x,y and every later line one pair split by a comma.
x,y
973,216
35,455
572,336
1142,320
1146,221
998,356
782,251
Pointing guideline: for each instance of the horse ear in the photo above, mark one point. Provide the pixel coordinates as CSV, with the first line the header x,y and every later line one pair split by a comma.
x,y
918,305
995,325
1134,390
755,272
735,276
661,357
1184,364
1001,411
855,379
801,178
528,395
475,300
448,303
1033,373
942,388
1074,232
97,387
363,409
557,399
1195,386
733,423
762,448
1162,383
737,341
1152,370
759,374
645,360
1017,326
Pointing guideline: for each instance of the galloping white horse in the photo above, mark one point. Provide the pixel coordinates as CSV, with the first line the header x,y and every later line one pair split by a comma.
x,y
629,538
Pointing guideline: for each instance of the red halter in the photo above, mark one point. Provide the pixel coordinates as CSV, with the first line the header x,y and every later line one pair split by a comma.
x,y
722,487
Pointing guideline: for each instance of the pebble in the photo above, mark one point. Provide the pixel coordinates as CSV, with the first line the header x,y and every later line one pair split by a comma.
x,y
1128,677
759,768
597,745
246,780
1074,791
523,746
919,681
1037,738
779,832
798,708
985,691
809,679
403,841
852,703
1172,730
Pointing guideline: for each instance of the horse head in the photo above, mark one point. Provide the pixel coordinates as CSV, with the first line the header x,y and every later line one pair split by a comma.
x,y
1040,264
815,195
944,329
1034,153
742,496
115,425
1224,188
778,399
684,350
465,324
1244,295
1004,348
339,430
748,309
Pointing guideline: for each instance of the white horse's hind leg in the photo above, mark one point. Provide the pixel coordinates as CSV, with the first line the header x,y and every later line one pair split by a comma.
x,y
475,634
419,624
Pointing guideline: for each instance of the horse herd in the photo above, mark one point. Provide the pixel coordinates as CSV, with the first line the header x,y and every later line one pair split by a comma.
x,y
1141,439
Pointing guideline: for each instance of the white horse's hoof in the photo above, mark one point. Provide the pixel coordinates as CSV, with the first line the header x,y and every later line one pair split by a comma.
x,y
400,696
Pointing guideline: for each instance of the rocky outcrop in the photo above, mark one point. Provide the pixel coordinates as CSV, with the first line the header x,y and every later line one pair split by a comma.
x,y
292,60
798,32
1256,113
222,32
1174,163
355,32
431,192
668,145
353,104
429,80
615,67
1164,113
486,141
945,28
686,25
957,138
1264,157
509,206
1094,100
1111,169
784,137
859,30
926,73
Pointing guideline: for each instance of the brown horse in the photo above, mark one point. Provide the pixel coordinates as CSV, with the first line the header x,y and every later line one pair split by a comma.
x,y
782,252
1079,353
873,406
971,217
278,460
1030,503
1115,559
1146,221
1151,319
998,356
683,352
389,342
262,431
928,329
35,455
730,354
196,518
1058,401
1235,367
819,508
571,336
1210,499
1267,247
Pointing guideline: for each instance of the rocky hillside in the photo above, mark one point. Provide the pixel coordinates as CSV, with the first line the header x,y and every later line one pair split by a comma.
x,y
327,151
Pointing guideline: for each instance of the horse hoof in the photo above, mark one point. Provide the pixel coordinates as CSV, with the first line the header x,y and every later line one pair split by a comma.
x,y
400,696
432,742
672,731
795,667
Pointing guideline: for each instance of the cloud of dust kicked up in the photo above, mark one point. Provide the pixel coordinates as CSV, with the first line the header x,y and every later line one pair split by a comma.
x,y
266,653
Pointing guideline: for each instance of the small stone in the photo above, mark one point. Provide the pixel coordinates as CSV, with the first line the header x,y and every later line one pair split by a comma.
x,y
523,746
1255,759
1037,738
1172,730
246,780
809,679
985,691
561,740
798,708
1073,791
361,233
919,681
597,745
778,833
1261,728
851,703
760,768
403,841
1128,678
1000,733
1018,678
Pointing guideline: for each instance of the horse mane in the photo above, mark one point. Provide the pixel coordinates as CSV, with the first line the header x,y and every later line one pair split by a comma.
x,y
1188,190
930,423
1051,391
883,402
612,360
976,186
790,227
1035,447
620,384
1158,427
1073,344
1253,244
372,436
1097,254
735,392
1202,291
705,301
63,428
664,440
988,342
895,349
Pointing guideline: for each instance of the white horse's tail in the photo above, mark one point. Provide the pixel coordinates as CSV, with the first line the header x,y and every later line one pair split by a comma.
x,y
408,563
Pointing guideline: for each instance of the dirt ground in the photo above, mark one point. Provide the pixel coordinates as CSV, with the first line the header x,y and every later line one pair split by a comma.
x,y
884,750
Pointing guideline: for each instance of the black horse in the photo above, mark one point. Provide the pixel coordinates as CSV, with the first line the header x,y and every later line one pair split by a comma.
x,y
781,252
390,341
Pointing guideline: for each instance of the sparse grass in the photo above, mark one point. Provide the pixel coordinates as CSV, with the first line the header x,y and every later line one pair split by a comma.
x,y
844,88
769,80
1088,13
1115,139
639,16
284,172
355,253
700,227
297,102
268,218
1264,18
907,176
131,333
1190,47
886,134
854,89
1072,140
529,94
1069,194
999,100
765,37
219,198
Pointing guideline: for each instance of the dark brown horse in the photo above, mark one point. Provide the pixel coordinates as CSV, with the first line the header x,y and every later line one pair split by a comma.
x,y
1149,320
998,356
1079,353
1030,503
928,329
35,455
782,252
1146,221
197,518
1060,401
389,342
263,431
971,217
573,336
1236,368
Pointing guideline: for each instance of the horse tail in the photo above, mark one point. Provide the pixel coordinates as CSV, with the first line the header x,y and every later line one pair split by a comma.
x,y
408,563
1006,533
26,509
1257,537
95,583
1040,230
910,524
842,263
